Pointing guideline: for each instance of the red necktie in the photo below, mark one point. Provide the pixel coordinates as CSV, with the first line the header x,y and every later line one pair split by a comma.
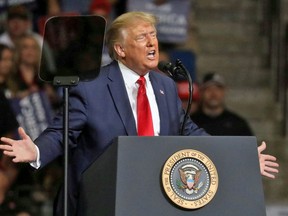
x,y
144,117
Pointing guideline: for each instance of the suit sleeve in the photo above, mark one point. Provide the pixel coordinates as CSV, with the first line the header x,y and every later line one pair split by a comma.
x,y
50,140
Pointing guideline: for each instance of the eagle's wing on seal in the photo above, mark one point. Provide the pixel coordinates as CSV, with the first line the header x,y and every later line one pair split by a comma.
x,y
197,176
183,176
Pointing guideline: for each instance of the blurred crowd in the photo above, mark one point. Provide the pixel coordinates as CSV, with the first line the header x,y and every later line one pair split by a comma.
x,y
28,102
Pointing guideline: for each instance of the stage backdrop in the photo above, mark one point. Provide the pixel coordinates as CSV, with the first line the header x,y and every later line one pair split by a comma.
x,y
172,15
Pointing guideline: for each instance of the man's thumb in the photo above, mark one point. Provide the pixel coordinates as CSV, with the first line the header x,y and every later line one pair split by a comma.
x,y
22,133
262,147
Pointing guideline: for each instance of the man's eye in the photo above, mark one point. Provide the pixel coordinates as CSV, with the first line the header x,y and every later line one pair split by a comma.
x,y
140,37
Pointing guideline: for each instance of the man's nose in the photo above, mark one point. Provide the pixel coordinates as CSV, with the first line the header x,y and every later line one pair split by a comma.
x,y
150,40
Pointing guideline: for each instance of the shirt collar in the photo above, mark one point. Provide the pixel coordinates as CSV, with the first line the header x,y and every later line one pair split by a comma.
x,y
130,77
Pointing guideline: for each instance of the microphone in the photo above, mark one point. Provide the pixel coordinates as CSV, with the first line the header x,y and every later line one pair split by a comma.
x,y
170,69
175,72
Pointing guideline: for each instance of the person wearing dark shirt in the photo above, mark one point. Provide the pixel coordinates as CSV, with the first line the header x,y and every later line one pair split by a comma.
x,y
213,115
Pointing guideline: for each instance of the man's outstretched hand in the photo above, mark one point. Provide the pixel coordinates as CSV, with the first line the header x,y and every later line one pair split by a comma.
x,y
268,164
23,150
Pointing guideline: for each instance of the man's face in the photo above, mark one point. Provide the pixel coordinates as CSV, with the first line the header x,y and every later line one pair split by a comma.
x,y
213,96
139,49
17,27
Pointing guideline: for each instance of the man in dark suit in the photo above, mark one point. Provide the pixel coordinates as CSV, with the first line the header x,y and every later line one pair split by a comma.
x,y
107,107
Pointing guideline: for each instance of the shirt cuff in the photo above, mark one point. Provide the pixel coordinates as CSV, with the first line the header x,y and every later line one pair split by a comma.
x,y
36,164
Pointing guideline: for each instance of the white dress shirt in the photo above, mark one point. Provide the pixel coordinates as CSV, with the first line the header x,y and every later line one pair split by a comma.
x,y
130,80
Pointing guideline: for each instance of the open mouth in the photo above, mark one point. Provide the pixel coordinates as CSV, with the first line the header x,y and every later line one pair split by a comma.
x,y
151,54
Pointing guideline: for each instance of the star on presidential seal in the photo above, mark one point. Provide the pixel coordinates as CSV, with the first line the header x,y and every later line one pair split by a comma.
x,y
190,179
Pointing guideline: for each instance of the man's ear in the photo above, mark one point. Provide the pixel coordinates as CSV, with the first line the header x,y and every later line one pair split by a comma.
x,y
119,50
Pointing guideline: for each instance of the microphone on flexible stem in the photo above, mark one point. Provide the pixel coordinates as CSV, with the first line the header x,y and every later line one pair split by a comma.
x,y
174,71
171,70
167,67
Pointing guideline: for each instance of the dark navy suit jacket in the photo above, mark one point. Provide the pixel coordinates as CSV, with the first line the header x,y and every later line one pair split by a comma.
x,y
99,111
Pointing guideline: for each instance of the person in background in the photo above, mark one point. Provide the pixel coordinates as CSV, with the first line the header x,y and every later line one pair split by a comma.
x,y
213,115
6,67
25,80
18,24
26,75
8,122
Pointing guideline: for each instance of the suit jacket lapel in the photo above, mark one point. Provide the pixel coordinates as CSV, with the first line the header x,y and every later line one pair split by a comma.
x,y
118,93
161,103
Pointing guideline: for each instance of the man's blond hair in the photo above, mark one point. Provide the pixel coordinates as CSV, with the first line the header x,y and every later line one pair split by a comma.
x,y
115,32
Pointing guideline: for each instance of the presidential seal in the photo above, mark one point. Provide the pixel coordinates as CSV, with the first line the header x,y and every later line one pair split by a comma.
x,y
190,179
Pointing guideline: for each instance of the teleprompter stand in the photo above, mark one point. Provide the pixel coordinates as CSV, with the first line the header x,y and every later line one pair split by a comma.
x,y
66,82
75,45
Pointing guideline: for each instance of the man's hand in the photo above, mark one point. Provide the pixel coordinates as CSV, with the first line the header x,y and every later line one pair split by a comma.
x,y
23,150
268,165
